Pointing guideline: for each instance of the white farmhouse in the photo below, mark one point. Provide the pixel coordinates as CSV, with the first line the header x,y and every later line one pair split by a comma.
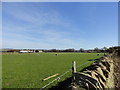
x,y
23,51
40,51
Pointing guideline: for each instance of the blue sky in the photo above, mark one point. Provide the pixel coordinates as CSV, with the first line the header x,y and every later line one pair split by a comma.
x,y
59,25
1,25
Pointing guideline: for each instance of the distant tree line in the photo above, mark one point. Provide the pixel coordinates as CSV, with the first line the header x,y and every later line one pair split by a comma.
x,y
81,50
95,50
114,49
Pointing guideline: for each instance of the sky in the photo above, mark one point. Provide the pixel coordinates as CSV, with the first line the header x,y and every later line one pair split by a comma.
x,y
59,25
0,25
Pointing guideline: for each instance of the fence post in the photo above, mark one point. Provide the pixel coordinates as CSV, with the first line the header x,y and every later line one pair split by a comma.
x,y
73,69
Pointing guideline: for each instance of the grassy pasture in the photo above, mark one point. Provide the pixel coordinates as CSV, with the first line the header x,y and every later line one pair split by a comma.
x,y
28,70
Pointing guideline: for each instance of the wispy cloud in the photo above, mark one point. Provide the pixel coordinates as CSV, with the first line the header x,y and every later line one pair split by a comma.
x,y
37,31
43,39
36,17
46,25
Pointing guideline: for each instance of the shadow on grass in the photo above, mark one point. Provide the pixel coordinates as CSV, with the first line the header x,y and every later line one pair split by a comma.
x,y
93,59
62,85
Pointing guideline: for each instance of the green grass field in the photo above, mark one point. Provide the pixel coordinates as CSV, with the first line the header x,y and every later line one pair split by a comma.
x,y
28,70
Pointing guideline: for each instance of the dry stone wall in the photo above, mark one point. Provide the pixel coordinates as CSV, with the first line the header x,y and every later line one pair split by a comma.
x,y
98,76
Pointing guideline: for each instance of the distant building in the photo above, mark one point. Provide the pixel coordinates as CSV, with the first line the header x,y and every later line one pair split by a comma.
x,y
25,51
40,51
30,51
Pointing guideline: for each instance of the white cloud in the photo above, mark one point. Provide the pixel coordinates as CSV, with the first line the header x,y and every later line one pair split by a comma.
x,y
35,18
51,39
36,33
